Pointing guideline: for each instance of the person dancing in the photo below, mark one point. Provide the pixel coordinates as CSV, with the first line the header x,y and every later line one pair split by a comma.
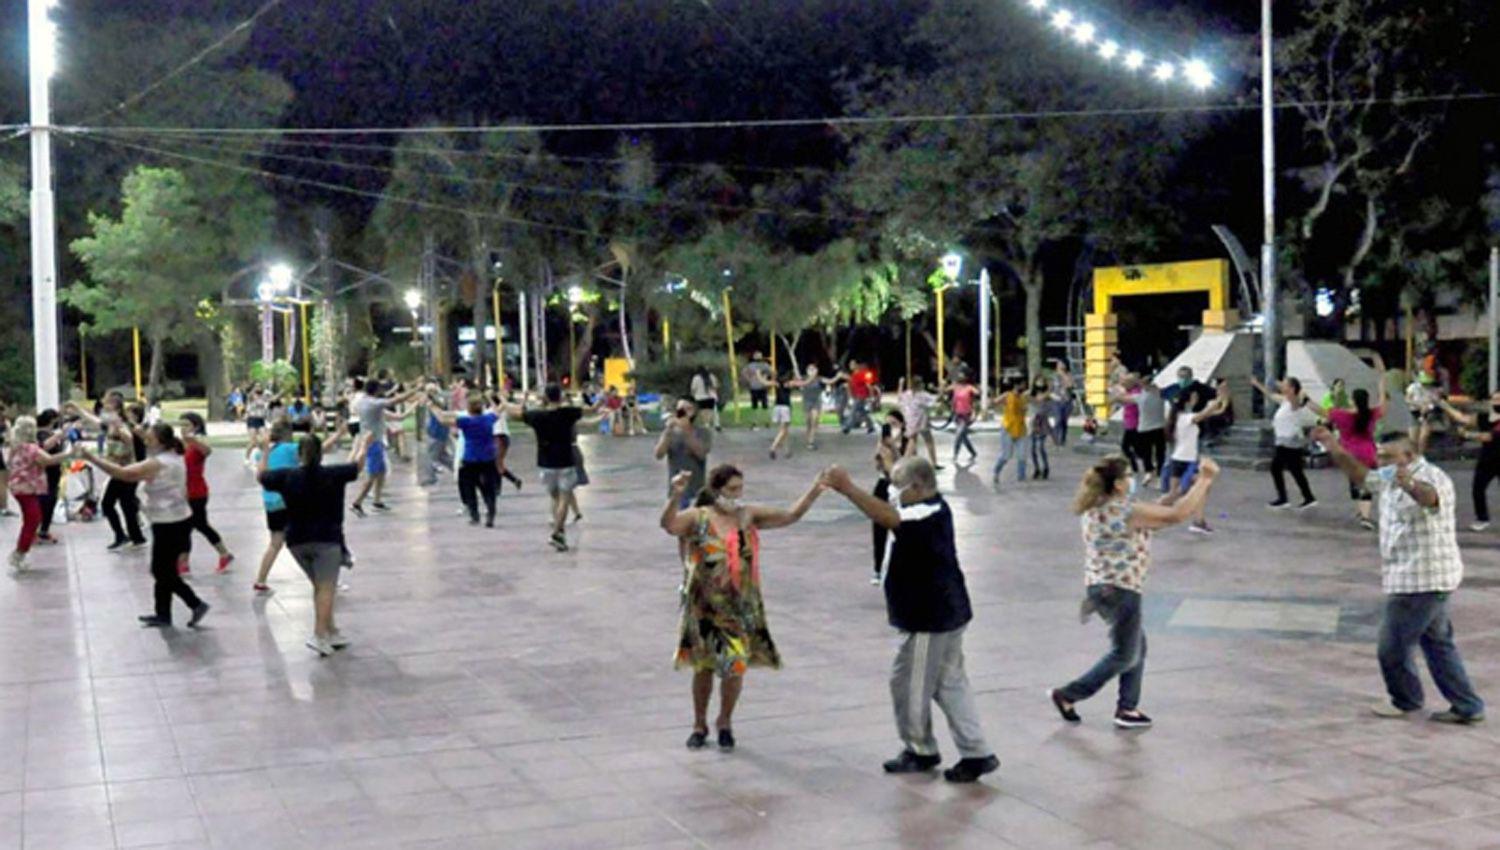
x,y
28,461
1117,552
723,631
195,455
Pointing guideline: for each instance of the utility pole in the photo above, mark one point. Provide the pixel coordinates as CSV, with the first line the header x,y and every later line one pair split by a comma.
x,y
1494,334
1270,302
42,47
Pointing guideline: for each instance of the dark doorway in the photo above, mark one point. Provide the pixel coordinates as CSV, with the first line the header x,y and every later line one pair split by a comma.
x,y
1153,327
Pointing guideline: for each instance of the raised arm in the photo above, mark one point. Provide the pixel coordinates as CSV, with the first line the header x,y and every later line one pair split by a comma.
x,y
142,471
674,522
1268,393
1381,393
202,444
779,518
1468,420
878,510
1351,466
1152,516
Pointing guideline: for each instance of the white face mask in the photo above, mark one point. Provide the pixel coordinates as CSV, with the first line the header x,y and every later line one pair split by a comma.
x,y
728,504
1387,473
1131,487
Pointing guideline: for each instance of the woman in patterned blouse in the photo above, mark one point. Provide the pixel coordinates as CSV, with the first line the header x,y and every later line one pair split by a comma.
x,y
1117,552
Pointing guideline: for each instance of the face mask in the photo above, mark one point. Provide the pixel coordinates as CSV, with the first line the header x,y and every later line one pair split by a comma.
x,y
728,504
1132,487
1387,473
1184,382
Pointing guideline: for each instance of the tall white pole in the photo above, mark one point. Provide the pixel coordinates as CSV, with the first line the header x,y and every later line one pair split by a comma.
x,y
43,226
524,319
1494,333
984,339
1270,301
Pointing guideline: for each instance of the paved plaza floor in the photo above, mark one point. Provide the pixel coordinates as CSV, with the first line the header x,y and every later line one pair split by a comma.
x,y
501,695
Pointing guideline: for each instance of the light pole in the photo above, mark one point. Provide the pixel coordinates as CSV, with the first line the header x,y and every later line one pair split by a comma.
x,y
984,339
953,265
278,282
41,39
575,298
1271,326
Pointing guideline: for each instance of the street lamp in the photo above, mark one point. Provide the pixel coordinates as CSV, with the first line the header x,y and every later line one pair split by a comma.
x,y
575,298
41,36
953,265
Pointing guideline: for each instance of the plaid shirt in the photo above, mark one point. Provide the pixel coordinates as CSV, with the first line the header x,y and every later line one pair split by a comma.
x,y
1418,546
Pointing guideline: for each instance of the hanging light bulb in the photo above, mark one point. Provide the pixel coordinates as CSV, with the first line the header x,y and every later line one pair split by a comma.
x,y
1163,71
1037,4
1083,33
1134,60
1108,50
1062,19
1197,74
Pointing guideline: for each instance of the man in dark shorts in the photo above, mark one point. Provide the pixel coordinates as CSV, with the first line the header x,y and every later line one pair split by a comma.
x,y
757,376
555,424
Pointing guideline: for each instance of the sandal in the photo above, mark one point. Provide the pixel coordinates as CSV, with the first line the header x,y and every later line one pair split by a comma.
x,y
698,740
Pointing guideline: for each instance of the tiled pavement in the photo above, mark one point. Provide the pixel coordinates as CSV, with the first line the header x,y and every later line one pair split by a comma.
x,y
499,695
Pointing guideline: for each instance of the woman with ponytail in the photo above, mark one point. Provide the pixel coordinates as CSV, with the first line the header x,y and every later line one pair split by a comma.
x,y
1357,437
164,476
723,631
1117,554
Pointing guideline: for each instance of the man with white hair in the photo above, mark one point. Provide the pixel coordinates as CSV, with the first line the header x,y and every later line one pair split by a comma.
x,y
927,601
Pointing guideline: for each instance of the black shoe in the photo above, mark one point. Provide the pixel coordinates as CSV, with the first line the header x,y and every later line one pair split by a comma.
x,y
380,506
198,614
151,621
726,739
357,509
1132,720
1453,717
910,762
969,770
698,740
1064,707
559,541
117,545
1307,503
1278,504
489,521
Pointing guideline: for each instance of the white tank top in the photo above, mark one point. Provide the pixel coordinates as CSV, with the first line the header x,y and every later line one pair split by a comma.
x,y
166,494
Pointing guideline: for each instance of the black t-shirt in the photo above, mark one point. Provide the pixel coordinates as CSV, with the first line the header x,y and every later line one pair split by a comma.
x,y
1489,453
924,587
314,500
783,395
1206,394
554,435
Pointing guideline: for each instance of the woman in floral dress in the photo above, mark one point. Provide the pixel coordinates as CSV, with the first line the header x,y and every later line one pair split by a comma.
x,y
724,630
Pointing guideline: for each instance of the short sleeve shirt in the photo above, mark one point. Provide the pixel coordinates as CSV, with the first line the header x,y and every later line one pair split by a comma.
x,y
26,475
371,413
283,456
1418,546
554,435
479,434
924,586
679,459
1290,425
963,400
1114,553
1362,446
812,393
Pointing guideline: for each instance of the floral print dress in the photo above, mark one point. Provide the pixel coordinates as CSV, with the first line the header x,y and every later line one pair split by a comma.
x,y
723,616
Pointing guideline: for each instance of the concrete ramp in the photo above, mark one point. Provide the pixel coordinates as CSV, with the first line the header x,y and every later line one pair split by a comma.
x,y
1316,363
1218,355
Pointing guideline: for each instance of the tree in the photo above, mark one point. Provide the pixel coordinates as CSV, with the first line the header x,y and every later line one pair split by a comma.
x,y
1365,217
154,266
1010,189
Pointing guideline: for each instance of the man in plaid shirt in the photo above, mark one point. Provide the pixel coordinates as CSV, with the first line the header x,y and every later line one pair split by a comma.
x,y
1420,567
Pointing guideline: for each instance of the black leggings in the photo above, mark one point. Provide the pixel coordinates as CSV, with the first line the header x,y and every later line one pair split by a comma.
x,y
879,533
1483,475
123,494
1289,460
1130,446
200,522
169,542
1152,446
482,476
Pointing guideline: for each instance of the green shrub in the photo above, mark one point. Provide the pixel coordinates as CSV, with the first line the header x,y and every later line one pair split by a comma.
x,y
1474,370
674,377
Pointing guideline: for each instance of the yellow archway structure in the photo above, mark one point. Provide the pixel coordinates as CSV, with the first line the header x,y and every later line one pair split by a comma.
x,y
1101,327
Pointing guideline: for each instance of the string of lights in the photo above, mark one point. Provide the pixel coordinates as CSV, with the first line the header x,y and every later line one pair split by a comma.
x,y
1078,29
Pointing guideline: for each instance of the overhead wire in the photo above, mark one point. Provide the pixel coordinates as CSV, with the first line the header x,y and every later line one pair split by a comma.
x,y
846,120
336,187
182,68
788,212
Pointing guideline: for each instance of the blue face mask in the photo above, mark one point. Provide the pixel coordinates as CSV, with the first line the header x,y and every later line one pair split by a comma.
x,y
1386,473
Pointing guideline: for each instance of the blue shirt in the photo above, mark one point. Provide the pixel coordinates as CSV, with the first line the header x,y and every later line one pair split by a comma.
x,y
479,437
435,428
283,456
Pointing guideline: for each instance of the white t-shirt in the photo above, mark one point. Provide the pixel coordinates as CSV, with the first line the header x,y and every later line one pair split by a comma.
x,y
1290,425
1185,438
166,494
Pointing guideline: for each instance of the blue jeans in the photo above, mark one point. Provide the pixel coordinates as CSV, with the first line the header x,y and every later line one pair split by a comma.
x,y
1039,451
1008,446
1422,618
1127,648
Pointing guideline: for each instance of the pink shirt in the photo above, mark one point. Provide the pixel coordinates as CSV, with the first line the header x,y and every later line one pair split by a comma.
x,y
1130,411
1362,446
963,400
26,475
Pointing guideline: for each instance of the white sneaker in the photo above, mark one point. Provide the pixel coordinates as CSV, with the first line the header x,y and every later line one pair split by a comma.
x,y
319,645
1479,526
874,579
18,562
338,641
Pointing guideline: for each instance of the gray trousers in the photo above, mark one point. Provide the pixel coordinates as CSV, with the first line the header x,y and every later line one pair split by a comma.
x,y
439,453
929,667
